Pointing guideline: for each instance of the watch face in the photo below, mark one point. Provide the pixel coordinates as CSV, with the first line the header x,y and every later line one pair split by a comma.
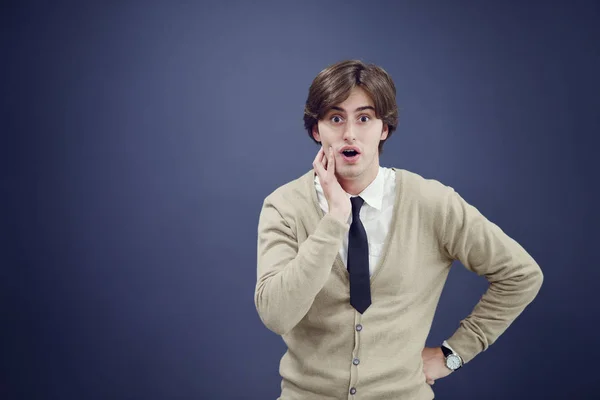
x,y
453,362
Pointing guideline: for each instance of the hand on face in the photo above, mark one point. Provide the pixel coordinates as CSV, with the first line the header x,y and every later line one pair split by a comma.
x,y
337,199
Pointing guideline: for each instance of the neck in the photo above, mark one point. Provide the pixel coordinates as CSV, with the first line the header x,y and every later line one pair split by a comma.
x,y
355,186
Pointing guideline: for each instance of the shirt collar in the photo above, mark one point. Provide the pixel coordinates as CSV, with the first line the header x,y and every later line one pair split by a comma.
x,y
372,194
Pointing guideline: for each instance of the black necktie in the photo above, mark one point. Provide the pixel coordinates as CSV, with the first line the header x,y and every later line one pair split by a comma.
x,y
358,260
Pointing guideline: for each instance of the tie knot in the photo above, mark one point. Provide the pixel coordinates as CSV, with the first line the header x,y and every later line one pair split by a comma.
x,y
357,203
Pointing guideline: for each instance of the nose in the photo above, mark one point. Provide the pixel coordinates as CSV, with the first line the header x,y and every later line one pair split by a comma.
x,y
349,133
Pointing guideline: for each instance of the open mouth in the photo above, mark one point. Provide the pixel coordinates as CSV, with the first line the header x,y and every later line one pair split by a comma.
x,y
350,155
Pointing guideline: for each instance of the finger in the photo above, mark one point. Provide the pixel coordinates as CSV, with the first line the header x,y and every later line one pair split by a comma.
x,y
318,164
331,161
320,155
320,167
319,170
430,382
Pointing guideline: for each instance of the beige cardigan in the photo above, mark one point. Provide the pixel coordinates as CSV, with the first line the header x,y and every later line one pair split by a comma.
x,y
334,352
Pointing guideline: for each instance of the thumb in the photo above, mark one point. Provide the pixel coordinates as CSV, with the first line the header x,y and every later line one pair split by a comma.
x,y
331,161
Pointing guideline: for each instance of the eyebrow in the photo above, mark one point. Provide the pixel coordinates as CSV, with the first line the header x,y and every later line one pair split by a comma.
x,y
357,110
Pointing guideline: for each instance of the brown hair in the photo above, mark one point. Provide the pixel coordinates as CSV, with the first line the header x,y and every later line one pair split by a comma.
x,y
333,85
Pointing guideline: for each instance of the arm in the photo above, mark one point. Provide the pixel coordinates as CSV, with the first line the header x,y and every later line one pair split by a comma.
x,y
513,275
289,276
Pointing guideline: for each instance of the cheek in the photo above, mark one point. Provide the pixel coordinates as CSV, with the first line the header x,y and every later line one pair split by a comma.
x,y
374,137
327,133
378,133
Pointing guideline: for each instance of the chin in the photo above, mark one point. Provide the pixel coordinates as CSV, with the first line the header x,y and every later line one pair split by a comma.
x,y
349,172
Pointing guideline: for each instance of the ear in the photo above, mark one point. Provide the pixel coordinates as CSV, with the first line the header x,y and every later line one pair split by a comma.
x,y
384,132
315,132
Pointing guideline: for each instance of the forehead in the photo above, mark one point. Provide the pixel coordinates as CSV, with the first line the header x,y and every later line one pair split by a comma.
x,y
358,98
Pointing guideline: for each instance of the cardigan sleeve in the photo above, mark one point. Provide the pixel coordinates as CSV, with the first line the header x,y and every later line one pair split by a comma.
x,y
514,276
290,275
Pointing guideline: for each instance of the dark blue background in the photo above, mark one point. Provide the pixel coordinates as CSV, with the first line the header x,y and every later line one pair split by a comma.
x,y
140,139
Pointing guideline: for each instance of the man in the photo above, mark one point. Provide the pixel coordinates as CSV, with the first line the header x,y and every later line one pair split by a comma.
x,y
352,257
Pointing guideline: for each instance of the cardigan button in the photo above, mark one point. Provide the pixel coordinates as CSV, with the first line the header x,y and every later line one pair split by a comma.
x,y
352,390
356,361
359,327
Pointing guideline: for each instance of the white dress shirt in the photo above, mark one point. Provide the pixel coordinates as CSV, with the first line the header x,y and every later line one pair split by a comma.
x,y
375,215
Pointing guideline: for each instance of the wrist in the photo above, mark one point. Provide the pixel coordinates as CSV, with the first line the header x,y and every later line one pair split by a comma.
x,y
340,215
452,360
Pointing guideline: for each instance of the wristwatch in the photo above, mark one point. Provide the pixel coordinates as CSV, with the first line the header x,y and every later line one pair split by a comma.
x,y
453,361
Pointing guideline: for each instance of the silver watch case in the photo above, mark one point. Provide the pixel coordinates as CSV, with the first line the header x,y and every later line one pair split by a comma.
x,y
453,362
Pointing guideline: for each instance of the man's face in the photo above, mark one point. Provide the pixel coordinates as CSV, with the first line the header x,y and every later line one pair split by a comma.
x,y
352,123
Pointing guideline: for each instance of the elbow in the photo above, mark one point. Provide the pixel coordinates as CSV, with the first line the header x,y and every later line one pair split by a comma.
x,y
269,316
538,278
276,326
525,283
533,282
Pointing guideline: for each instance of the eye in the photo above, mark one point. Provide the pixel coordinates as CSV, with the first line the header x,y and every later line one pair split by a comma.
x,y
336,119
365,118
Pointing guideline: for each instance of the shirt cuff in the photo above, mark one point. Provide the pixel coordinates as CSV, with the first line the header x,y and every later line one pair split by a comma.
x,y
445,344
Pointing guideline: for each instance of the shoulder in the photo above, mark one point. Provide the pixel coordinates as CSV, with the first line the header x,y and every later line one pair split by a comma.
x,y
292,194
424,190
427,198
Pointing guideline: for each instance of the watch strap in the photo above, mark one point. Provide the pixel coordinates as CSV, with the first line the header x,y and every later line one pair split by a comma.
x,y
446,351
